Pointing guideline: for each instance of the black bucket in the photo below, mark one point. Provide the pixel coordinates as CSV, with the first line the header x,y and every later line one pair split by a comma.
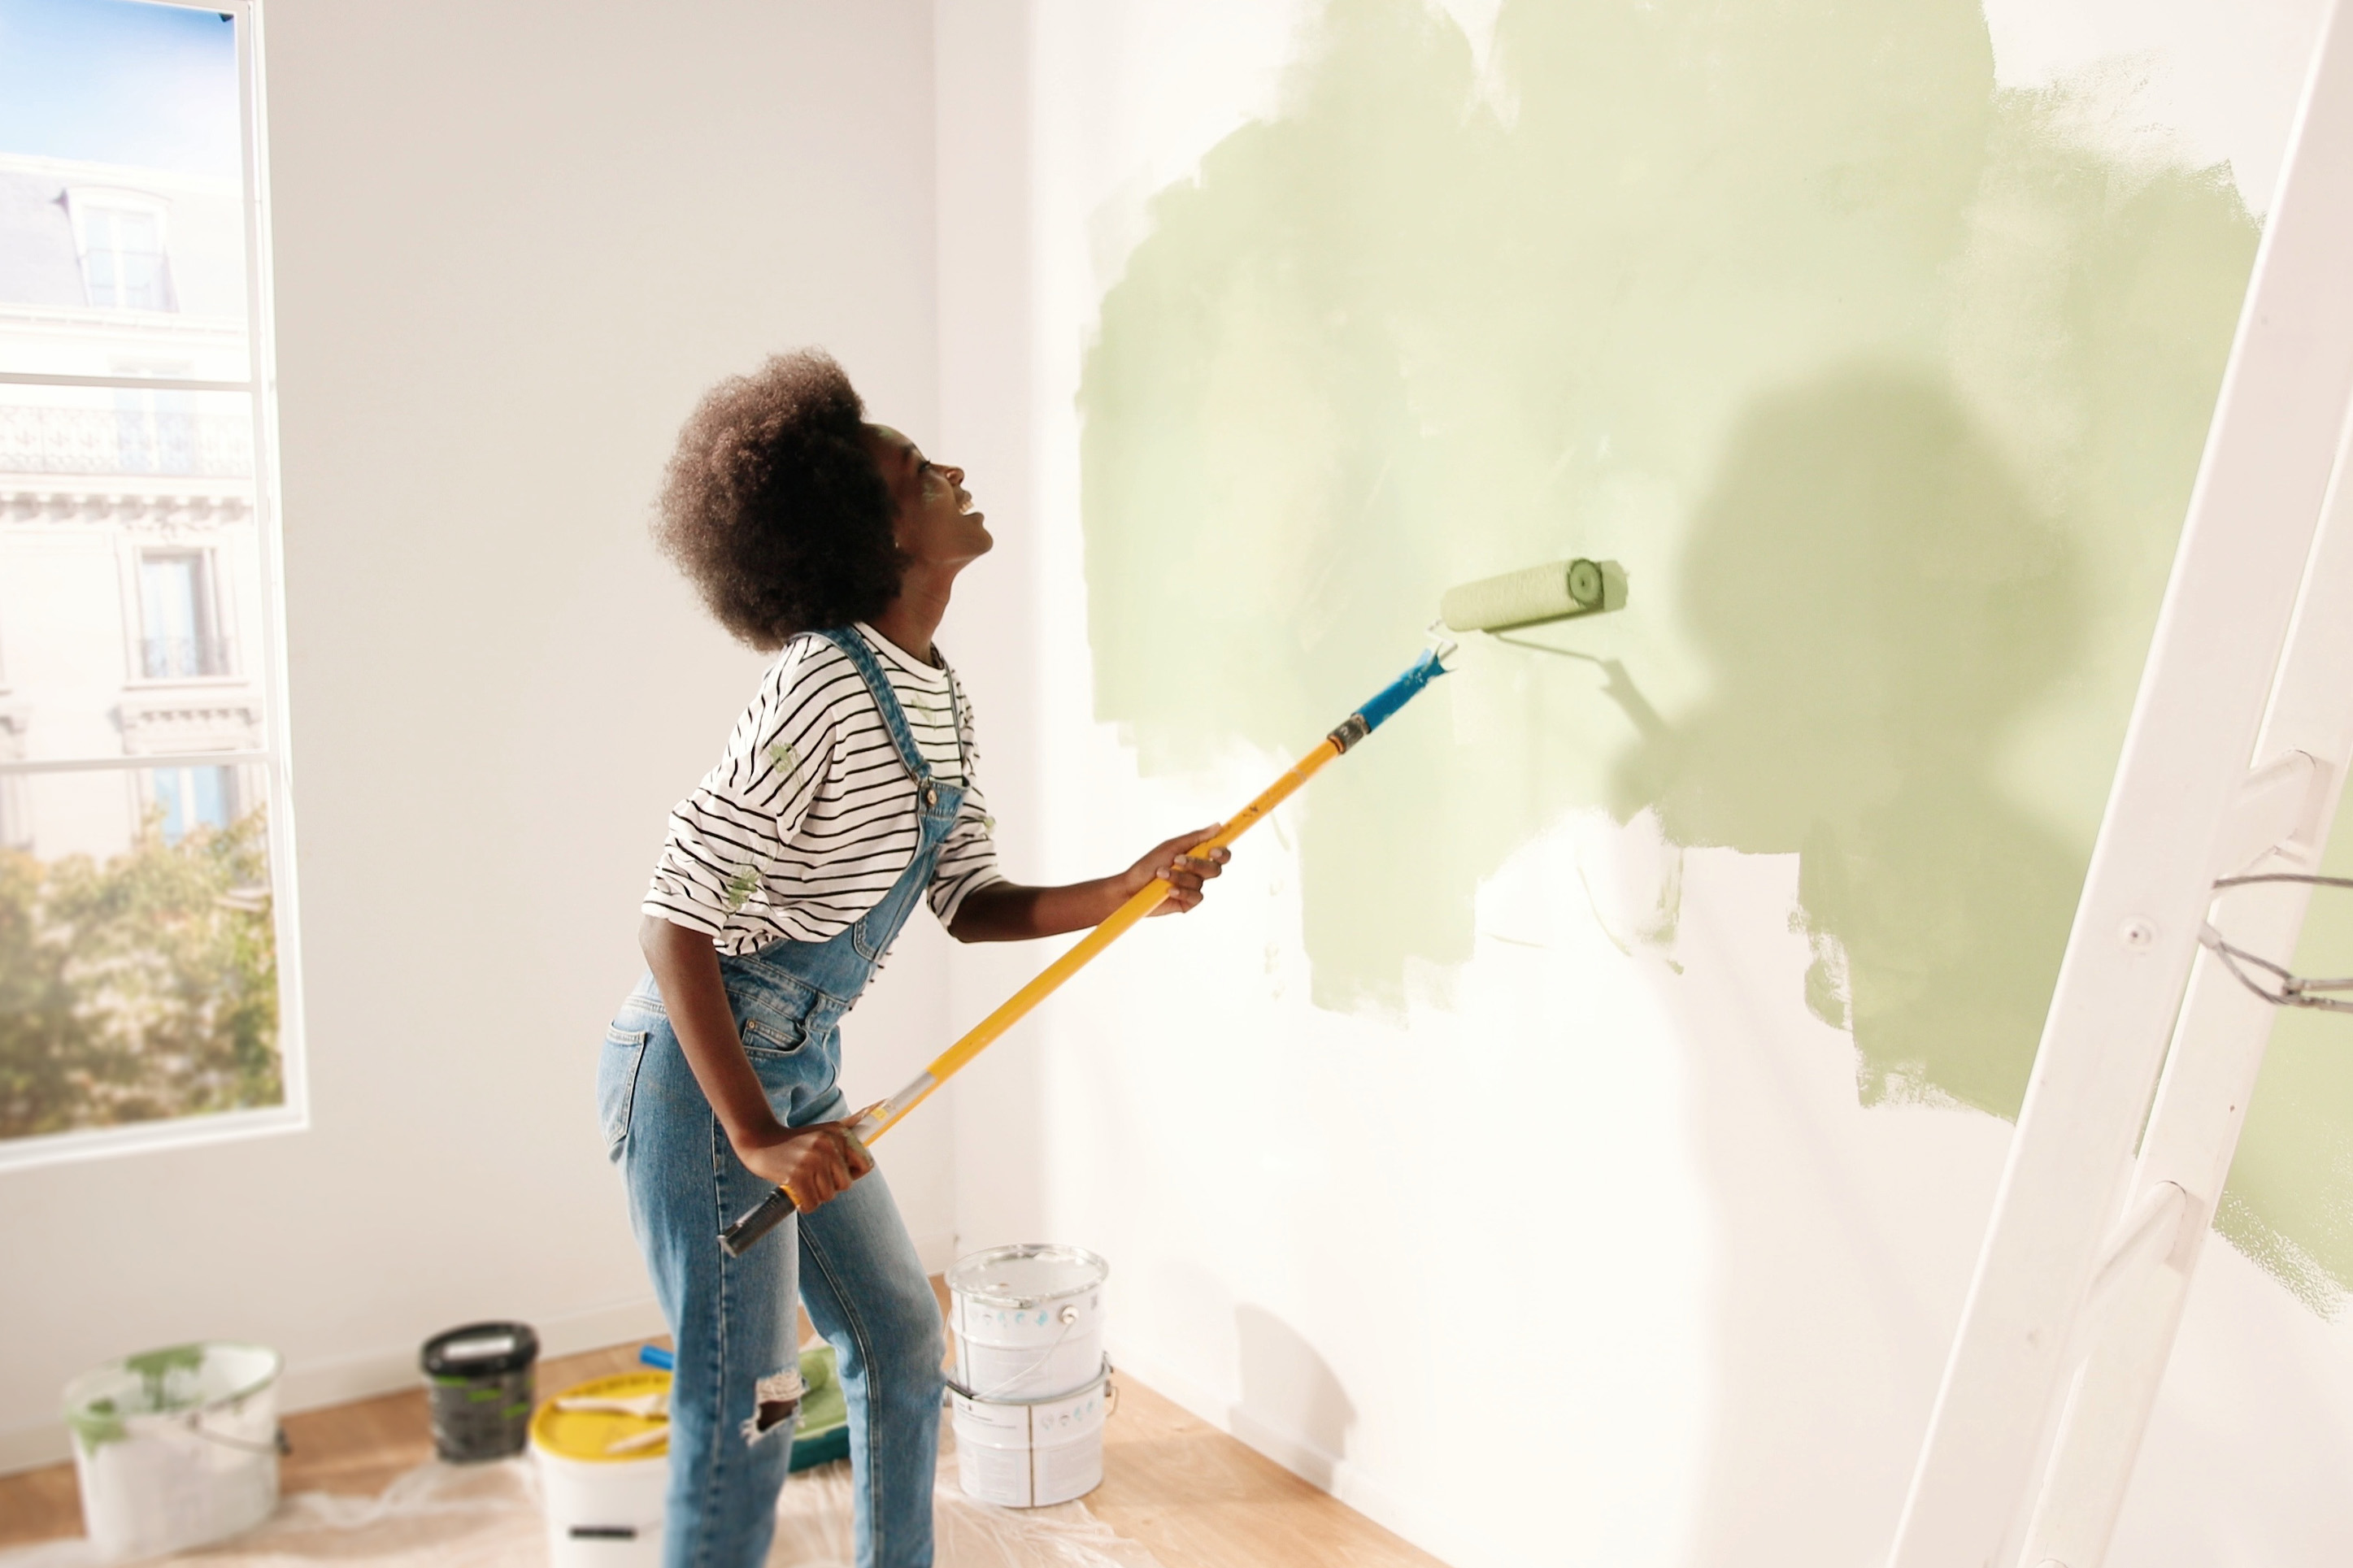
x,y
480,1378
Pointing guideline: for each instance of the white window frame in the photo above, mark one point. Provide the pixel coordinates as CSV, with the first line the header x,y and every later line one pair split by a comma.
x,y
84,200
267,671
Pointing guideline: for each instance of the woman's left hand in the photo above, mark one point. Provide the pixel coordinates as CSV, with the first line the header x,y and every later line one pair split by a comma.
x,y
1184,872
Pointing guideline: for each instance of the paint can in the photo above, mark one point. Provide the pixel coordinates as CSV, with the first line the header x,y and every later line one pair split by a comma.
x,y
175,1448
1031,1453
479,1378
603,1475
1029,1320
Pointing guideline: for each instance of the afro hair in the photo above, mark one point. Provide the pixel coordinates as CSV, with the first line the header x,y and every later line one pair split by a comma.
x,y
773,507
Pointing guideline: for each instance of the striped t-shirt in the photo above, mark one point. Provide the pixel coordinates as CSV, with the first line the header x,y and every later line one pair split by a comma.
x,y
811,815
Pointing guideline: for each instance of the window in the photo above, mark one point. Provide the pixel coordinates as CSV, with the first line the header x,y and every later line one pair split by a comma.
x,y
194,798
179,617
123,260
147,991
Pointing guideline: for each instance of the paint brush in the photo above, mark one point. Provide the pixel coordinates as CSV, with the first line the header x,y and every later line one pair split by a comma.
x,y
1539,593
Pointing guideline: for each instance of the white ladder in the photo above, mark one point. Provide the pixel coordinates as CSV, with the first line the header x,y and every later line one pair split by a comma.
x,y
2235,762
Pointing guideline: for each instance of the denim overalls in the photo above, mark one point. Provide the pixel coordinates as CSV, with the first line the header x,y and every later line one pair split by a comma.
x,y
851,1259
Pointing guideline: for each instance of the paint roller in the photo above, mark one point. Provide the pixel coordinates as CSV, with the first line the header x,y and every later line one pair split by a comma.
x,y
1537,594
1530,597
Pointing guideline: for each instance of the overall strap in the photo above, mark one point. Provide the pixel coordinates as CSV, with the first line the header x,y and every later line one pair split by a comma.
x,y
894,718
955,718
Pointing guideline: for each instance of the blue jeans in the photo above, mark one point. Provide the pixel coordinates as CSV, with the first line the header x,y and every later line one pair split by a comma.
x,y
850,1260
733,1320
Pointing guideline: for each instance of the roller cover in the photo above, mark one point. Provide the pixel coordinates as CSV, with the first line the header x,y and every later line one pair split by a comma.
x,y
1548,593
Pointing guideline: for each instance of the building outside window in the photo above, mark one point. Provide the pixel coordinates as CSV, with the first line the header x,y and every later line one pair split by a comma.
x,y
147,992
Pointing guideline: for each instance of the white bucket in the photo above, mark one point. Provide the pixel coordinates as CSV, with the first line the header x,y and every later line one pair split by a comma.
x,y
1032,1453
175,1448
1029,1320
604,1508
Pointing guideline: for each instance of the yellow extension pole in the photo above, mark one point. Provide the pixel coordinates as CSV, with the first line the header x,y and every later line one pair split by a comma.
x,y
1016,1007
880,1118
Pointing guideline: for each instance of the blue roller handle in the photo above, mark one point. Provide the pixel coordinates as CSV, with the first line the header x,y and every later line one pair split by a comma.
x,y
1400,691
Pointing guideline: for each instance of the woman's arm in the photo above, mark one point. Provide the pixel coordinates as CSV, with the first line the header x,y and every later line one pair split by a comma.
x,y
1009,911
812,1163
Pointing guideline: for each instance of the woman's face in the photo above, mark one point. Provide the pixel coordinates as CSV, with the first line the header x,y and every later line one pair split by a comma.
x,y
935,525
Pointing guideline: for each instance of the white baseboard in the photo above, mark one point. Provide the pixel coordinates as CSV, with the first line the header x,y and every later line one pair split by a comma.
x,y
31,1448
1444,1539
370,1373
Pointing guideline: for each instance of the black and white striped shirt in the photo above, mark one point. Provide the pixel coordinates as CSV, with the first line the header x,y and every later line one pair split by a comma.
x,y
811,815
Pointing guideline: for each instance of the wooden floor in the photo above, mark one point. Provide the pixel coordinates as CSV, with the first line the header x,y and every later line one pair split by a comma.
x,y
1172,1482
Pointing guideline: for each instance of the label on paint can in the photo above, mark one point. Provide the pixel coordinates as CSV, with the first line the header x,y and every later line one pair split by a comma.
x,y
482,1349
1031,1455
1042,1372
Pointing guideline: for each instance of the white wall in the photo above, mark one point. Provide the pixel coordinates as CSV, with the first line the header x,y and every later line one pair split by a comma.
x,y
1583,1260
513,241
987,286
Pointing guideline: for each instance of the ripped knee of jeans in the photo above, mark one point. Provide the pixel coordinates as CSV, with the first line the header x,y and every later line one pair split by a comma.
x,y
775,1401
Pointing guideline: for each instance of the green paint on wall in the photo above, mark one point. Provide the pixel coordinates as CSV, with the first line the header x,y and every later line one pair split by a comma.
x,y
1888,386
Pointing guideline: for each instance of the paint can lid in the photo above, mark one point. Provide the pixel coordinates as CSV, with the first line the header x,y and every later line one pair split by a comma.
x,y
604,1437
480,1350
1025,1275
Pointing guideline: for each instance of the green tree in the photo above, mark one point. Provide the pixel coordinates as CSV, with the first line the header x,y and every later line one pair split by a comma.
x,y
139,988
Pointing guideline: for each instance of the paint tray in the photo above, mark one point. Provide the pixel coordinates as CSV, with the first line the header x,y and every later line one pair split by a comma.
x,y
821,1431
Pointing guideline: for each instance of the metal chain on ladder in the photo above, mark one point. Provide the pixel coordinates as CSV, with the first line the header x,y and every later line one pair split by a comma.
x,y
2293,990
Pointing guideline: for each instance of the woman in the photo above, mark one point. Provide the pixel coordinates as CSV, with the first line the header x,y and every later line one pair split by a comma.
x,y
846,794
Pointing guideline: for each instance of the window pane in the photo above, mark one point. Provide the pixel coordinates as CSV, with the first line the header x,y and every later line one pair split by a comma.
x,y
121,185
138,964
138,968
178,616
193,799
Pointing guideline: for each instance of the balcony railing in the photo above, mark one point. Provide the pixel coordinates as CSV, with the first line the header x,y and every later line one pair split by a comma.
x,y
49,439
184,658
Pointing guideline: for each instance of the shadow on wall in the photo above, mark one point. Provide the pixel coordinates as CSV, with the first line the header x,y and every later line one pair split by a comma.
x,y
1887,385
1290,1395
1877,603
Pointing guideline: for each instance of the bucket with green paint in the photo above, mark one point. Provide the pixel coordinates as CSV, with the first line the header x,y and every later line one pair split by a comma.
x,y
480,1378
175,1448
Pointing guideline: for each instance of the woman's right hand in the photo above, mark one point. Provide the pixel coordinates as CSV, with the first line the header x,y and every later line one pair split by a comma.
x,y
814,1164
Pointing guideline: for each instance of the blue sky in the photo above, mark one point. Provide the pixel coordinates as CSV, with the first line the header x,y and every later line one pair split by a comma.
x,y
119,82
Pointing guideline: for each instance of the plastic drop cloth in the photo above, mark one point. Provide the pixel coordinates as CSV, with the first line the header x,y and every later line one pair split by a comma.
x,y
487,1516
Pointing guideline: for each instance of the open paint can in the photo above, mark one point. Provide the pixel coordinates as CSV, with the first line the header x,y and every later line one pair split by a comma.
x,y
603,1474
175,1448
1031,1453
1029,1320
481,1381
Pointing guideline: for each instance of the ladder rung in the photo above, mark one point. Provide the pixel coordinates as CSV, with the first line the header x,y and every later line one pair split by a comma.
x,y
2136,1247
2274,808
